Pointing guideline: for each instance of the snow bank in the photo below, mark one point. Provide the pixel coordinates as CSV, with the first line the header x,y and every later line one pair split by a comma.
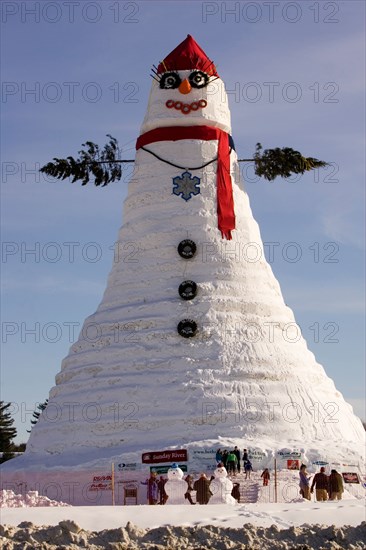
x,y
131,537
8,499
306,525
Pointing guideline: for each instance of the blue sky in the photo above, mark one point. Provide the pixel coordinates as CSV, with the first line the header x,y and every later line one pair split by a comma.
x,y
73,71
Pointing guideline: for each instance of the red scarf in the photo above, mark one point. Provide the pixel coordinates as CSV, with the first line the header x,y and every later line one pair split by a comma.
x,y
225,201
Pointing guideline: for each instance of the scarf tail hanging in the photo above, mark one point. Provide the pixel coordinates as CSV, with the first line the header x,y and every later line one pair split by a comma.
x,y
225,201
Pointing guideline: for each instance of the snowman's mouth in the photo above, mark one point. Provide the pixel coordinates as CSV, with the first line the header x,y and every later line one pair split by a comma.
x,y
186,108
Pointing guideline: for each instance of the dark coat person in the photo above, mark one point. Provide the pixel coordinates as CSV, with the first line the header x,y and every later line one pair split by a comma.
x,y
163,497
189,480
237,454
236,492
248,468
335,485
218,456
321,484
202,486
266,477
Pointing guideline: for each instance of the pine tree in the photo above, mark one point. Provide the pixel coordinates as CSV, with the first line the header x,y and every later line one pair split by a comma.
x,y
7,433
41,407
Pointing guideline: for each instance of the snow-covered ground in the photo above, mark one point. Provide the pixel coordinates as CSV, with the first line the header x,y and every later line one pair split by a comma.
x,y
97,518
254,526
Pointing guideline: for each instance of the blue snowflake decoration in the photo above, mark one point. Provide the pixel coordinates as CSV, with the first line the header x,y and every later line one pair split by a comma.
x,y
186,186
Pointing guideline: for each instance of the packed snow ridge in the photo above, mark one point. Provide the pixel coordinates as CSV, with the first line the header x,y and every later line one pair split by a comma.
x,y
8,499
68,534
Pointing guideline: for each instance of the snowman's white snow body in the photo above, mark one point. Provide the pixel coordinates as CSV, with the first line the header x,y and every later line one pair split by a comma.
x,y
258,368
176,487
221,488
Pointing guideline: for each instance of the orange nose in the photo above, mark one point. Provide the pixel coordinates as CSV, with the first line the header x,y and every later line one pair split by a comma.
x,y
185,87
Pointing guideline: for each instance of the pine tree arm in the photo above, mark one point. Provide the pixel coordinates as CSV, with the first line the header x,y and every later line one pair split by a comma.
x,y
105,167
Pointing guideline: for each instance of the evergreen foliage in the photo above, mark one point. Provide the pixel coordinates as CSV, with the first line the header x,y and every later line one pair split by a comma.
x,y
104,165
282,162
37,413
7,433
100,163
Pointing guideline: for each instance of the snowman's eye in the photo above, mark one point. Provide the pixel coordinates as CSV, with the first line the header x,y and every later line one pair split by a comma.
x,y
170,81
198,79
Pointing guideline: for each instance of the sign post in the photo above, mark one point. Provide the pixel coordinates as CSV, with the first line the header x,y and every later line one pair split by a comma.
x,y
112,483
275,479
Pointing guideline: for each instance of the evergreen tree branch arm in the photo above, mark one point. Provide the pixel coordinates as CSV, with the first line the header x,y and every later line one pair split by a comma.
x,y
102,164
272,163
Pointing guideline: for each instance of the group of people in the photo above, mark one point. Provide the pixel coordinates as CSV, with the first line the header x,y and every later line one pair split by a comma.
x,y
326,487
231,460
156,489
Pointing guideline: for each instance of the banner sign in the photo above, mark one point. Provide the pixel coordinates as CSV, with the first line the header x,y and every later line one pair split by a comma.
x,y
133,483
124,467
165,456
286,454
320,463
293,464
101,483
254,454
163,469
203,454
350,477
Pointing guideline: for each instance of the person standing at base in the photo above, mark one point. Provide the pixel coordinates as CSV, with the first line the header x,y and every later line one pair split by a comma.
x,y
321,484
235,493
335,485
232,463
163,497
245,457
304,482
218,456
202,488
152,488
266,477
248,468
189,480
237,454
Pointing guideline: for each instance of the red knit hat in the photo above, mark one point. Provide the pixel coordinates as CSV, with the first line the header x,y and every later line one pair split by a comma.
x,y
188,55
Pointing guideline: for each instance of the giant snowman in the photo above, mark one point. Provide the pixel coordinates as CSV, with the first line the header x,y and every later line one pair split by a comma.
x,y
187,346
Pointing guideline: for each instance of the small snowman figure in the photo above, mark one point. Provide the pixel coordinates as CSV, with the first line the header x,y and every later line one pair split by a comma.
x,y
176,487
221,487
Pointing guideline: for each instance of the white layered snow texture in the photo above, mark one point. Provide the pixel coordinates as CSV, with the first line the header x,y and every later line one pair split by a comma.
x,y
131,383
